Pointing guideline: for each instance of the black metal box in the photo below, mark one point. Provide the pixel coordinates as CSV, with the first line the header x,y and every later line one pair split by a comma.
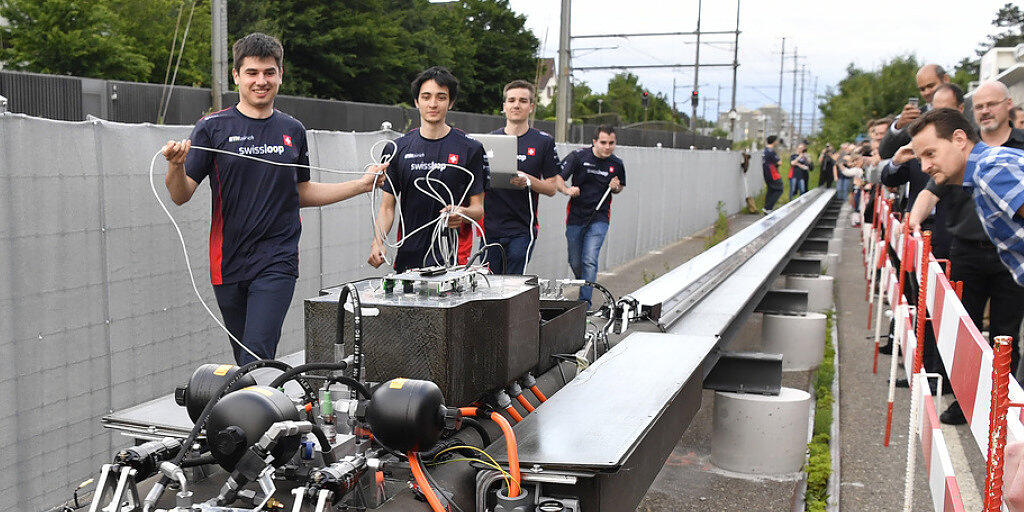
x,y
563,326
468,343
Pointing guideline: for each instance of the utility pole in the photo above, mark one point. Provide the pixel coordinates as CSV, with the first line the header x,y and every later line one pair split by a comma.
x,y
782,65
219,51
792,114
563,111
803,80
814,105
696,71
718,103
735,66
673,95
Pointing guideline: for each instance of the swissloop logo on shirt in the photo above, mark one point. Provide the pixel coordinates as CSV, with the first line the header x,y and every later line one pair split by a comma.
x,y
611,169
287,140
453,158
531,151
428,166
261,150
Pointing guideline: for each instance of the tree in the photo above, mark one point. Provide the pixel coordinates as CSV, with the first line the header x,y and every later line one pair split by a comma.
x,y
65,37
1009,17
151,27
865,95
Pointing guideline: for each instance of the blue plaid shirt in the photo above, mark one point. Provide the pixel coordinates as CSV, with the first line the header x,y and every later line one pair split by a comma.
x,y
996,175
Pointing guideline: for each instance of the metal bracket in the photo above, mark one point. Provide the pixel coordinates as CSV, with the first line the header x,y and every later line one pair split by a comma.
x,y
814,246
785,302
802,267
746,372
821,233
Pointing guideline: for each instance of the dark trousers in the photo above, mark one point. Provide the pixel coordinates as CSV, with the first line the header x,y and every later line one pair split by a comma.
x,y
514,261
772,196
987,280
254,312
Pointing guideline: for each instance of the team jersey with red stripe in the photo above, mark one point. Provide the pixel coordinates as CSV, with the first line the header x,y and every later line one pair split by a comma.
x,y
416,157
255,224
592,175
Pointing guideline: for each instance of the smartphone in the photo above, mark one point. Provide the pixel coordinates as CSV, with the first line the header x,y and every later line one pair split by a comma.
x,y
913,101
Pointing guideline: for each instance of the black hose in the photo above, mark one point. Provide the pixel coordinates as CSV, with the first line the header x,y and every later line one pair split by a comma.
x,y
205,415
482,252
325,445
350,291
199,461
472,423
353,384
303,368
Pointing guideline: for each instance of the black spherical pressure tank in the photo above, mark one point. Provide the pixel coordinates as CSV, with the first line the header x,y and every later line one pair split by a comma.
x,y
406,414
205,381
241,417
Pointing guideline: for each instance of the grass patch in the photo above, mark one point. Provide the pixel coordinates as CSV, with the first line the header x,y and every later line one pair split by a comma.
x,y
646,277
819,462
720,230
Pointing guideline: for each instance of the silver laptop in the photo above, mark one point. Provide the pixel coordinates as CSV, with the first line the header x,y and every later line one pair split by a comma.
x,y
502,157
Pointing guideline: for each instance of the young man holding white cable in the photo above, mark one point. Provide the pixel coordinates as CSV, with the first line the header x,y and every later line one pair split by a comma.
x,y
436,176
254,235
510,218
596,174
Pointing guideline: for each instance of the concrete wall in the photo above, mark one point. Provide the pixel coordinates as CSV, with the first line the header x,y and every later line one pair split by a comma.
x,y
96,311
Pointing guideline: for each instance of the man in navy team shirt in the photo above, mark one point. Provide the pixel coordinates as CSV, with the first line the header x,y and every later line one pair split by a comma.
x,y
434,148
594,172
772,177
254,236
507,219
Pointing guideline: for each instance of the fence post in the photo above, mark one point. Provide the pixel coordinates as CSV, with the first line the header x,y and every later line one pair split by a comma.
x,y
997,423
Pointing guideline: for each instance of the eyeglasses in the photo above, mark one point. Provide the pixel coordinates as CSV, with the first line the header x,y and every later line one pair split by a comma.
x,y
990,105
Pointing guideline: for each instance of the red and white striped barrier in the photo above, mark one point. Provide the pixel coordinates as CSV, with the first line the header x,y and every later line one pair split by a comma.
x,y
965,354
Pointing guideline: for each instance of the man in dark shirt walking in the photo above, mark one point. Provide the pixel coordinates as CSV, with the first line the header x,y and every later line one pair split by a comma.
x,y
772,176
596,174
507,214
254,236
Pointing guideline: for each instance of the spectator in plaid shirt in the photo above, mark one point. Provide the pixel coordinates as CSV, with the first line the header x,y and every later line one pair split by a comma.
x,y
951,153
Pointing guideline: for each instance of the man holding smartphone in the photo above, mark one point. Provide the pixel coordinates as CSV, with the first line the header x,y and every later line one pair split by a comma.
x,y
929,78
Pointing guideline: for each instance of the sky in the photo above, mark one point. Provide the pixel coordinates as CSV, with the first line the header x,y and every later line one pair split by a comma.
x,y
827,34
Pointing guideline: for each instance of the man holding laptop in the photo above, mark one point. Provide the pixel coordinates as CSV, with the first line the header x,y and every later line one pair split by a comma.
x,y
510,205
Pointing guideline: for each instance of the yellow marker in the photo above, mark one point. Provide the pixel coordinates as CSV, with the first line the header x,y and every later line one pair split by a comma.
x,y
260,389
397,383
223,369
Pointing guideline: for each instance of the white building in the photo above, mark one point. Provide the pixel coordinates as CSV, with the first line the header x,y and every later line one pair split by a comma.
x,y
756,124
1005,65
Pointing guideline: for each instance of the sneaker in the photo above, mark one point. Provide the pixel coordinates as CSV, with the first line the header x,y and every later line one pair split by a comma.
x,y
953,415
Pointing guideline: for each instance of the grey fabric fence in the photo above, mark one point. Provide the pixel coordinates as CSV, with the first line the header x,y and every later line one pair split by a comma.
x,y
96,311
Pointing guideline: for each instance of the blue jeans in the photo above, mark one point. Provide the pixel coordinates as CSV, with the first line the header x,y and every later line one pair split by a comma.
x,y
254,312
843,187
584,248
797,186
515,254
